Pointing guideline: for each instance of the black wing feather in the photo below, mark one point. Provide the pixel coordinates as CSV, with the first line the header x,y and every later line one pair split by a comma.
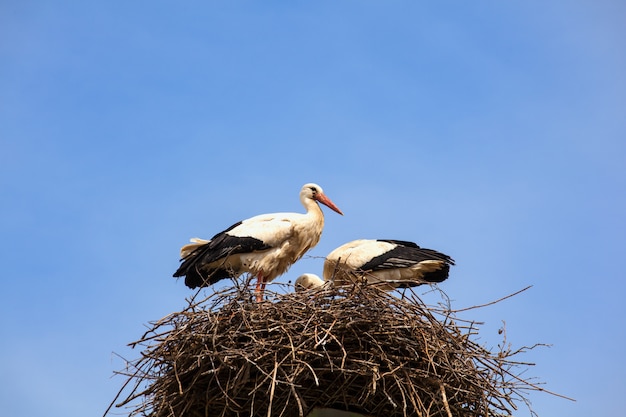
x,y
407,254
222,245
404,255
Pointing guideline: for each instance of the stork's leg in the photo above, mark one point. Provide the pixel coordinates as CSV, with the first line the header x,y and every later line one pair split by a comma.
x,y
260,287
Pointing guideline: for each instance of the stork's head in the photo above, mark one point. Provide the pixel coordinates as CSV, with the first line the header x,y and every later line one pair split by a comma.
x,y
314,192
308,281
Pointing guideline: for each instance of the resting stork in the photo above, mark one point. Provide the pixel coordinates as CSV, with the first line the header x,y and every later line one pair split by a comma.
x,y
391,263
265,245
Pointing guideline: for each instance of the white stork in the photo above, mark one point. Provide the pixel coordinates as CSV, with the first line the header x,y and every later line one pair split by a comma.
x,y
392,263
265,245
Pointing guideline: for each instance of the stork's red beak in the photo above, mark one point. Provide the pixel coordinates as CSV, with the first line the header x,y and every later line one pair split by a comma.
x,y
326,201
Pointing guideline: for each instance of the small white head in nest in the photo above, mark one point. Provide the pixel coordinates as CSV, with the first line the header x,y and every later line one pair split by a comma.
x,y
308,281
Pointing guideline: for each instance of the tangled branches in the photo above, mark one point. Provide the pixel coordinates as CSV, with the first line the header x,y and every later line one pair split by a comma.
x,y
358,349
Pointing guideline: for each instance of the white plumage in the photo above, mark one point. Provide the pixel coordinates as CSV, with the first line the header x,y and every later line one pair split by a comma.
x,y
308,281
265,245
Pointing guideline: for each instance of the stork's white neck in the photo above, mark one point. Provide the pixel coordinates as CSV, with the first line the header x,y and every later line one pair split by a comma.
x,y
313,208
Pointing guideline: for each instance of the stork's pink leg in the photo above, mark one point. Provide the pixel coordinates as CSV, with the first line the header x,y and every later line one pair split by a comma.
x,y
260,287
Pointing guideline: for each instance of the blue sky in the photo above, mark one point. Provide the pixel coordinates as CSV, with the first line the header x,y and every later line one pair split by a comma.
x,y
491,131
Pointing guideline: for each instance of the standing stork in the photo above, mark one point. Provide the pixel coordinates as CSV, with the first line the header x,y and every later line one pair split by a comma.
x,y
391,263
265,245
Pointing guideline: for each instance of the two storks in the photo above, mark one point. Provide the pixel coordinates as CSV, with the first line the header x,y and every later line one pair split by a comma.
x,y
267,245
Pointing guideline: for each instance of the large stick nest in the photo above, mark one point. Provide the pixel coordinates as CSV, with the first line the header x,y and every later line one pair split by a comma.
x,y
358,349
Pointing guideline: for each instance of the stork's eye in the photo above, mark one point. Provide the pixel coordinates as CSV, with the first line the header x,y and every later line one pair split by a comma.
x,y
314,190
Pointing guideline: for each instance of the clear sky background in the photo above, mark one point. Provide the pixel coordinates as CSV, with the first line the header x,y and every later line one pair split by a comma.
x,y
491,131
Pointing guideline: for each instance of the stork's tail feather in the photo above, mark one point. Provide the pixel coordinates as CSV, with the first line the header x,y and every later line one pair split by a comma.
x,y
195,278
190,269
435,271
428,272
186,250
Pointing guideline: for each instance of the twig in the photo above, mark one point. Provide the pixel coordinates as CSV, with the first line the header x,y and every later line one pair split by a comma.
x,y
492,302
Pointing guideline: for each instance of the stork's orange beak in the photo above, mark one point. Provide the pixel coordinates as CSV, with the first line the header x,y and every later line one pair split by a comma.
x,y
326,201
